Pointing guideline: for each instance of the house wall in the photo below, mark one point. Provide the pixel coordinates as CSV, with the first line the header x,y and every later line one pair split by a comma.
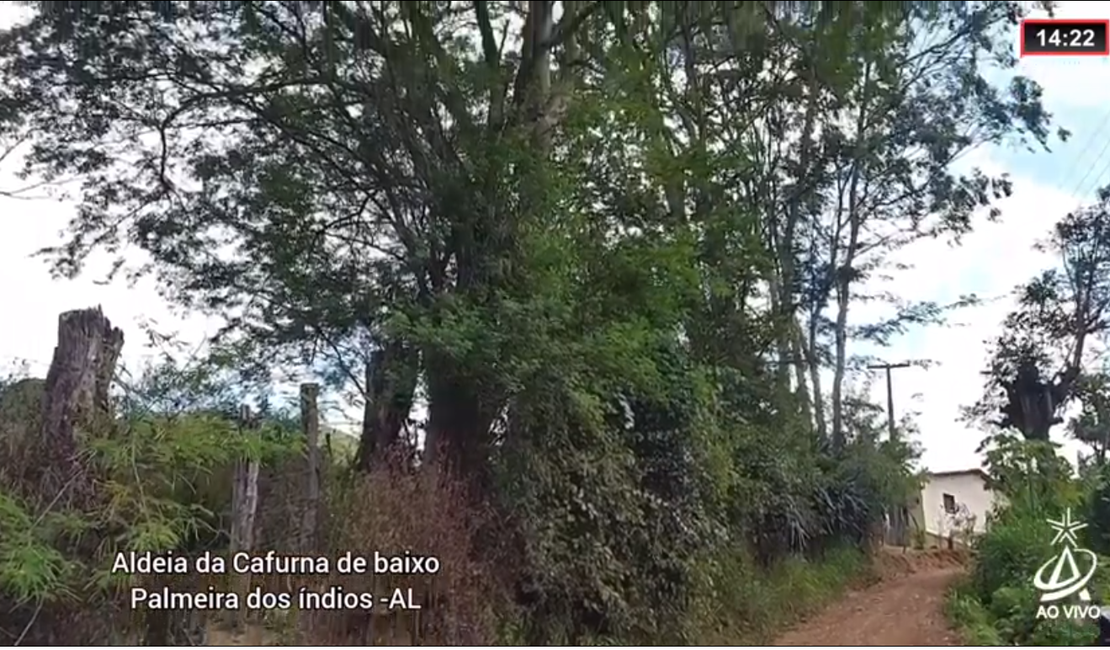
x,y
968,488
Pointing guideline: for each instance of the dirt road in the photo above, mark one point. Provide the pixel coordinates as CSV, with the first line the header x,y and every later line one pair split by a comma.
x,y
903,609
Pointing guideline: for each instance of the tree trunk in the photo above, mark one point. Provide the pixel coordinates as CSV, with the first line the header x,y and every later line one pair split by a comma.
x,y
458,430
786,305
809,344
76,400
838,434
391,377
797,354
845,273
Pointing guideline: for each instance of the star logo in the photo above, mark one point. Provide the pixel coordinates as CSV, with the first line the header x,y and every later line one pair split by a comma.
x,y
1066,528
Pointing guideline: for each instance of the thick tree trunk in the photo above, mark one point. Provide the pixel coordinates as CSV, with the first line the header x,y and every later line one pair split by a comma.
x,y
75,401
391,377
458,427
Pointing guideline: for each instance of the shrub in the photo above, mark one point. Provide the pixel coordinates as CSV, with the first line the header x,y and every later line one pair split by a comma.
x,y
151,475
394,511
996,605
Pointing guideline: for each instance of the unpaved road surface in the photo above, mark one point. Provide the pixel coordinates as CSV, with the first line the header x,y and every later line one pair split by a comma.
x,y
902,609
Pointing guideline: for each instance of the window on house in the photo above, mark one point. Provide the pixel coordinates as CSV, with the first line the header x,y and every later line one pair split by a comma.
x,y
949,504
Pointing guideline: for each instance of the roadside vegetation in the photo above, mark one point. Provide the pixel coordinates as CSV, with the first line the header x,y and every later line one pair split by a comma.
x,y
1046,375
591,270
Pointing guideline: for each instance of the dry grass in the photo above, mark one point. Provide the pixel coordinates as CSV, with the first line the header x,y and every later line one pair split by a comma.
x,y
393,512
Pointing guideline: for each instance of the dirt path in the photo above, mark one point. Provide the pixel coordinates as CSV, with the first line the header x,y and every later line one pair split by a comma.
x,y
905,609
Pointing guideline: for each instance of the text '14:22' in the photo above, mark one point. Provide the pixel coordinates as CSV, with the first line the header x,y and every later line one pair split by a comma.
x,y
1059,37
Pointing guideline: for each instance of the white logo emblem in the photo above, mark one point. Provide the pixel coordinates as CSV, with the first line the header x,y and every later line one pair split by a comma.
x,y
1059,586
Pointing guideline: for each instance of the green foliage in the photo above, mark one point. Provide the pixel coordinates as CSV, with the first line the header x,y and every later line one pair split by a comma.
x,y
970,617
597,246
181,458
31,568
1030,473
742,602
1098,511
997,603
163,483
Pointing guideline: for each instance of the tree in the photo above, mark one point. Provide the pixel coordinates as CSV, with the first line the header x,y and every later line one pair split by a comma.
x,y
382,214
1038,360
896,113
1092,425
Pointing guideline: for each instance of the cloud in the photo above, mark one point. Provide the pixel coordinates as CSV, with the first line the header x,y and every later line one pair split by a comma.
x,y
33,301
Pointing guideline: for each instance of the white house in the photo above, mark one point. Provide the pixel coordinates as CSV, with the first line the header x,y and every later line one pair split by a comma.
x,y
952,502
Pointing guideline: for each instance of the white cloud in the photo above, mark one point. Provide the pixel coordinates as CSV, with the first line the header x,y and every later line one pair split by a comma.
x,y
997,256
33,301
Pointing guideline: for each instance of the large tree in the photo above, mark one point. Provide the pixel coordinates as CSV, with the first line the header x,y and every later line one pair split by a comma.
x,y
893,115
1038,361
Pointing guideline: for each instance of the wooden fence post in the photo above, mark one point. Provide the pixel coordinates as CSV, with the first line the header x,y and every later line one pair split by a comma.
x,y
307,537
244,508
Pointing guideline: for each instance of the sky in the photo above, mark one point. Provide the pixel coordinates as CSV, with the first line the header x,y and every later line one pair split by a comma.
x,y
989,263
997,256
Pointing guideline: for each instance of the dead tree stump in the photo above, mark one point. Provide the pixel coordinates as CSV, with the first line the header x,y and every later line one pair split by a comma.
x,y
75,401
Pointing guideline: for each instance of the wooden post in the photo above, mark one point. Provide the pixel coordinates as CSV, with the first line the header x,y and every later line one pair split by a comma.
x,y
244,507
898,514
310,513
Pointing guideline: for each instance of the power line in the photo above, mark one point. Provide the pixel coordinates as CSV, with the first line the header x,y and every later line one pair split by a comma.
x,y
1079,157
1078,189
1101,174
1091,168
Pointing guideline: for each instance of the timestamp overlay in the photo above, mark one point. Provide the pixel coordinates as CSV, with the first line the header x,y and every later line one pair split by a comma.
x,y
1064,37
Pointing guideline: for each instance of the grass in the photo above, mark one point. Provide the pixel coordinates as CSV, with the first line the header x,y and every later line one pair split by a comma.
x,y
970,618
757,605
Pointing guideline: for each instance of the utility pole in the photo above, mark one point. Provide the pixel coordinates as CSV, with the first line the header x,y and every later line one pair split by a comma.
x,y
899,517
890,393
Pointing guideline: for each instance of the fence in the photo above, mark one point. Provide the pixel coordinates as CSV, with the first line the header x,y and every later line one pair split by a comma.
x,y
308,504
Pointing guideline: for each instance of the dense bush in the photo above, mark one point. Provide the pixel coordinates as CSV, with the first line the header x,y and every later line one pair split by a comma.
x,y
997,602
163,484
658,542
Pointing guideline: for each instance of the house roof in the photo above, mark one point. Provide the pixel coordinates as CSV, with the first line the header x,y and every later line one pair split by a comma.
x,y
961,472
